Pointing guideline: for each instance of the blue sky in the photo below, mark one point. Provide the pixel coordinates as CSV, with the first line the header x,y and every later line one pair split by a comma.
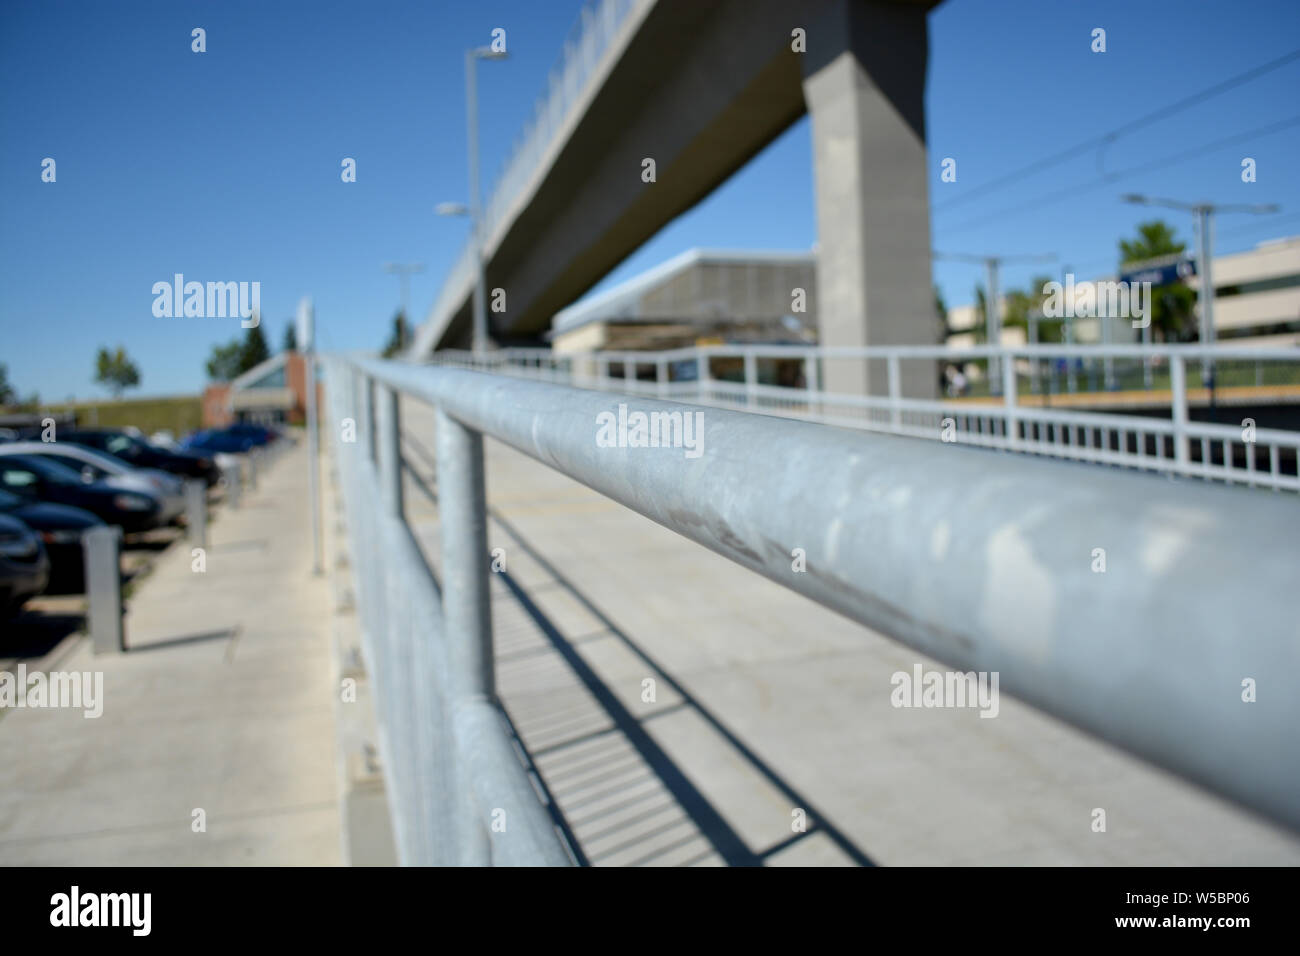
x,y
225,165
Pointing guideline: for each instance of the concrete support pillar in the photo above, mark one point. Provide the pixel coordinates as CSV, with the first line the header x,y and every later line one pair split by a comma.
x,y
864,83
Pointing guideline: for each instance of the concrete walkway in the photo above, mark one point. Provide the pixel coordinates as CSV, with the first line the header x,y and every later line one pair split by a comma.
x,y
766,704
224,703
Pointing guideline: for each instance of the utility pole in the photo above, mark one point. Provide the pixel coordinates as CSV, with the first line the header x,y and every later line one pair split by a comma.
x,y
1204,225
404,271
1071,375
993,311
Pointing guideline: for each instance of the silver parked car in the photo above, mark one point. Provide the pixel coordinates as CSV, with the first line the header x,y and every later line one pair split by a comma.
x,y
95,465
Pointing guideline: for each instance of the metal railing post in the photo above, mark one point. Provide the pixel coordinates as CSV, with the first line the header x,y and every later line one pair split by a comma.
x,y
466,605
1034,371
701,374
421,742
356,410
313,454
1178,410
661,377
101,553
1147,376
895,394
499,817
1009,399
368,405
390,449
234,485
751,378
196,512
812,379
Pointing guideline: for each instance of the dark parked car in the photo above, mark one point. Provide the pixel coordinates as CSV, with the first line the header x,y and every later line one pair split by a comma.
x,y
260,434
60,528
214,440
40,479
135,450
24,566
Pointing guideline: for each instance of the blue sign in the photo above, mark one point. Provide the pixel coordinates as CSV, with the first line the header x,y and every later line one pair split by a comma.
x,y
1161,275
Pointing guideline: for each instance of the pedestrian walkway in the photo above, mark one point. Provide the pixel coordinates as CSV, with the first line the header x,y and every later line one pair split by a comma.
x,y
221,712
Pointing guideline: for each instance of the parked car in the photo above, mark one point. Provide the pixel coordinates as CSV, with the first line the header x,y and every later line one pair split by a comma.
x,y
95,465
37,478
135,450
260,434
60,528
214,440
24,565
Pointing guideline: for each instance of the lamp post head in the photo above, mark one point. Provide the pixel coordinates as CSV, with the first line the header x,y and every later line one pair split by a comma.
x,y
451,209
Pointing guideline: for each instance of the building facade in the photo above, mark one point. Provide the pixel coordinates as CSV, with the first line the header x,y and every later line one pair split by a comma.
x,y
702,295
274,392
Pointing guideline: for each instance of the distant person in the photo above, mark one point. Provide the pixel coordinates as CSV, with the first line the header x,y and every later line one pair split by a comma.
x,y
957,382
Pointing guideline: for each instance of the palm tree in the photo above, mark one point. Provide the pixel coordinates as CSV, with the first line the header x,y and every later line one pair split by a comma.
x,y
1171,308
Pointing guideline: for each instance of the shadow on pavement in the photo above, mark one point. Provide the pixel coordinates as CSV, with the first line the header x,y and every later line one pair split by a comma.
x,y
588,726
39,629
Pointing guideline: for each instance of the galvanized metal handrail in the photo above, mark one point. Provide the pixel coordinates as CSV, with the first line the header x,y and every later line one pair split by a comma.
x,y
1266,458
983,561
458,792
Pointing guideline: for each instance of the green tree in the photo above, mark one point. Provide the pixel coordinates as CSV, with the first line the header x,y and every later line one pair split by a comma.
x,y
223,363
1172,314
233,359
943,329
255,350
115,371
8,395
400,337
1155,239
290,337
980,332
1017,305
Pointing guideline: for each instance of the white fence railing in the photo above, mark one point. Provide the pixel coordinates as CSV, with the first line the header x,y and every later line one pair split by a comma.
x,y
1043,400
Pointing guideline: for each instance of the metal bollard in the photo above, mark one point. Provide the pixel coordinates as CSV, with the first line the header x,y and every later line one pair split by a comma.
x,y
252,468
196,512
234,485
101,549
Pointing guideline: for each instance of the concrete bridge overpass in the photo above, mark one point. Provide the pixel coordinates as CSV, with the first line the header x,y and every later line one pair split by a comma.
x,y
701,89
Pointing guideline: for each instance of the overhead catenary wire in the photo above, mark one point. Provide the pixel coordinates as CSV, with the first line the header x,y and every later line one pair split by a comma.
x,y
1068,192
1073,152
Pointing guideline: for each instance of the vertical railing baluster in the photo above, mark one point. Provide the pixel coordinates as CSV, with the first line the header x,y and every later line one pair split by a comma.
x,y
466,606
1178,397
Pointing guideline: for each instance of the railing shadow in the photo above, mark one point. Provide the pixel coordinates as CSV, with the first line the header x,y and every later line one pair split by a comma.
x,y
588,748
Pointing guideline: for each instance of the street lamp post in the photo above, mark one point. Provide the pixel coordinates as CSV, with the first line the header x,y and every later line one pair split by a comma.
x,y
404,271
475,202
1204,213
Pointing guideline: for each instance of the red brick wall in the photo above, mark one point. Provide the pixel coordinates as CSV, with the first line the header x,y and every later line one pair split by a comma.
x,y
216,411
